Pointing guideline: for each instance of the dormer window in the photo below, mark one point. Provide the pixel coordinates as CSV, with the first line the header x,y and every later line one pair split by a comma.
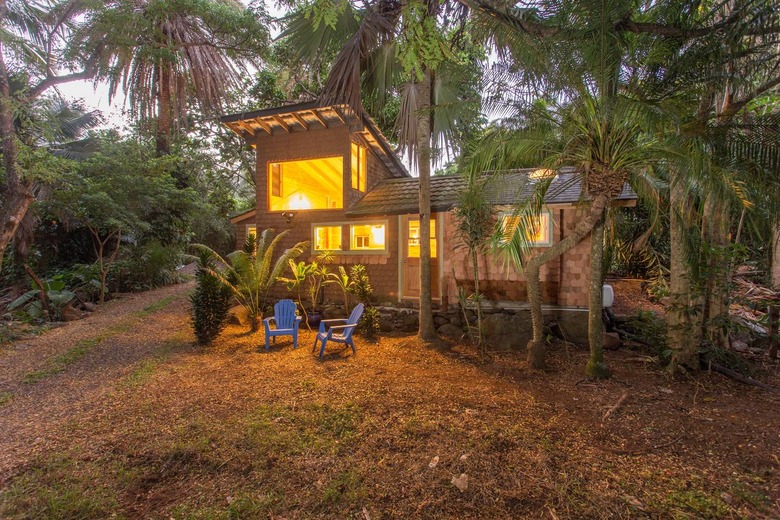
x,y
358,162
308,184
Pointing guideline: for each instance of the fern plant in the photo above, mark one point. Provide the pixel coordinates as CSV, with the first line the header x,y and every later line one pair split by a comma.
x,y
251,272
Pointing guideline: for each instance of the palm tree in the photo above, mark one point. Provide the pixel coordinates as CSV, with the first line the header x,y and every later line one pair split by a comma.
x,y
250,273
602,51
165,57
395,47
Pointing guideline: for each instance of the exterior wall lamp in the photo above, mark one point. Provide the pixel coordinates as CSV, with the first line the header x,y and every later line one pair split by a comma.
x,y
288,216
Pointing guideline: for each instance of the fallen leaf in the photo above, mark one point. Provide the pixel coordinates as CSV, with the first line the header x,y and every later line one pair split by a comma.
x,y
365,513
434,462
464,456
633,501
461,482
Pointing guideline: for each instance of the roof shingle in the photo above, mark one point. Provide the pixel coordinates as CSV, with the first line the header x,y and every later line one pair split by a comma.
x,y
399,196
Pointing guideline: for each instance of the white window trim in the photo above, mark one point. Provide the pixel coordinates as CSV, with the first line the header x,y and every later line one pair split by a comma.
x,y
350,223
550,224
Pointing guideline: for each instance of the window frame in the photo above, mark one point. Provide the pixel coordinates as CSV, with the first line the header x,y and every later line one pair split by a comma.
x,y
268,168
362,167
349,224
327,225
502,215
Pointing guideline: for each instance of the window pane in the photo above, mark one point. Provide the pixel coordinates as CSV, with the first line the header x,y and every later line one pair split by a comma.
x,y
413,242
367,236
358,165
311,184
537,233
251,231
327,238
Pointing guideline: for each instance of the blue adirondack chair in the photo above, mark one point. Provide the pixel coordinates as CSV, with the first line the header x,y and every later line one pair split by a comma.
x,y
338,333
286,322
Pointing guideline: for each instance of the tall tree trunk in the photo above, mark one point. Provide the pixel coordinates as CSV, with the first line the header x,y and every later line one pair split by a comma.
x,y
426,330
477,298
776,257
716,297
164,107
596,366
536,350
17,196
683,312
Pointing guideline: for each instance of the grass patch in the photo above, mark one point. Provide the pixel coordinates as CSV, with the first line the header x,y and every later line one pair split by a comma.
x,y
5,398
315,427
61,488
60,362
142,372
245,505
345,488
156,306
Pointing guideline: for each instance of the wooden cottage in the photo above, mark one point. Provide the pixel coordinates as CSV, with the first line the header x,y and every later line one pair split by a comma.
x,y
328,175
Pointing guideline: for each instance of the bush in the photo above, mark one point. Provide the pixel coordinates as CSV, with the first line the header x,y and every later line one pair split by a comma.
x,y
368,325
210,302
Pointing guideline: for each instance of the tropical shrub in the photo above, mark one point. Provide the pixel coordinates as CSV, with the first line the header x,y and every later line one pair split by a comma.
x,y
368,325
210,301
47,301
251,272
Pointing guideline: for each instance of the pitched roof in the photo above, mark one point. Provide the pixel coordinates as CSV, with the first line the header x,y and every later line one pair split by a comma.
x,y
301,117
399,196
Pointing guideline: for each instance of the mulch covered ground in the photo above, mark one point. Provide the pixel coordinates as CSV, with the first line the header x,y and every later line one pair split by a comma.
x,y
122,415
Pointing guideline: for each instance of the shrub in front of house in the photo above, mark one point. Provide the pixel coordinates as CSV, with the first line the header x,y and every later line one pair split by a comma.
x,y
210,301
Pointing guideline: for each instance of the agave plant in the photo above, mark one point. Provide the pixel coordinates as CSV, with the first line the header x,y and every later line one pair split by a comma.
x,y
251,272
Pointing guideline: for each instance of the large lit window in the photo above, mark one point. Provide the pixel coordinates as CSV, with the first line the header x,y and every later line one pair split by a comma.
x,y
538,231
367,237
413,241
358,167
310,184
327,238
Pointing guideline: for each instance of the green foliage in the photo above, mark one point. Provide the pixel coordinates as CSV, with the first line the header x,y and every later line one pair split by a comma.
x,y
343,282
369,323
210,301
57,298
422,44
652,330
361,287
250,273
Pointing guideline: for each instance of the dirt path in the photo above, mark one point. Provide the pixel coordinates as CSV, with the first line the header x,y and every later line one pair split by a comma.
x,y
121,415
66,376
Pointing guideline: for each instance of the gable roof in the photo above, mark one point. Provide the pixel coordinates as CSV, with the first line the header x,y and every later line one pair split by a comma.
x,y
301,117
399,196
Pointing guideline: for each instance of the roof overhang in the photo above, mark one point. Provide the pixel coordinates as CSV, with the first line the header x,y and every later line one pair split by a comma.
x,y
304,117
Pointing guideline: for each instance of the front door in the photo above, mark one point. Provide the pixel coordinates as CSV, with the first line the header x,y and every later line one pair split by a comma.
x,y
411,258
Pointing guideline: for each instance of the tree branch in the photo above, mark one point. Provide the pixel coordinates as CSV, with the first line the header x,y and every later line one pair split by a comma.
x,y
51,80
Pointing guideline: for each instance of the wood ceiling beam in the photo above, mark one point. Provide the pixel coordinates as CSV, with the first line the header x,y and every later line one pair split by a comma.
x,y
339,115
246,127
300,120
262,124
282,123
320,118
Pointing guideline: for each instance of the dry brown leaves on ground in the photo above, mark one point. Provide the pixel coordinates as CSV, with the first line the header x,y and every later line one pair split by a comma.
x,y
121,414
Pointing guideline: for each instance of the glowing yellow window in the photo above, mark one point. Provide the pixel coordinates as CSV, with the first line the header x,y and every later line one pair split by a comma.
x,y
251,231
413,242
327,238
358,163
538,233
310,184
367,237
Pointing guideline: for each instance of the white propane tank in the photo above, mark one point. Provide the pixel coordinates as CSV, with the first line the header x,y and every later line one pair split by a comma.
x,y
607,295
